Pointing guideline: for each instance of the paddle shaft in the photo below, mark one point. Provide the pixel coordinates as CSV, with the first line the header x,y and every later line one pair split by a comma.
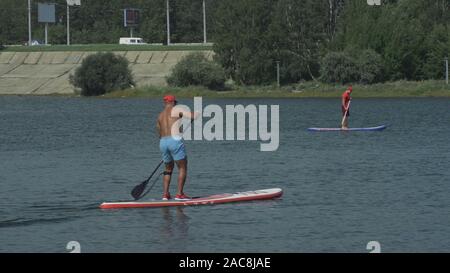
x,y
161,162
345,114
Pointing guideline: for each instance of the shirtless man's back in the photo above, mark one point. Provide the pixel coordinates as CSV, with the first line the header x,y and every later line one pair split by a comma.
x,y
172,146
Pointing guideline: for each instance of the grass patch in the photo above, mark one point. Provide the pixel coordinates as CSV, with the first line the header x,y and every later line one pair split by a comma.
x,y
105,47
398,89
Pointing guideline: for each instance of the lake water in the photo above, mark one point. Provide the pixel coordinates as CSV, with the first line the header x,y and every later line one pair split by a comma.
x,y
61,157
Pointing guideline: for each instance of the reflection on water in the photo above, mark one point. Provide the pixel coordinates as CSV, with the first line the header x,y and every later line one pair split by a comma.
x,y
175,225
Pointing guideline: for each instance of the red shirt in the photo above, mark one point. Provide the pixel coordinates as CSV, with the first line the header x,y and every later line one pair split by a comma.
x,y
346,98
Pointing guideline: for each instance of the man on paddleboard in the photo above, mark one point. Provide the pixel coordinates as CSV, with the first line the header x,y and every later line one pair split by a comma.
x,y
172,146
345,106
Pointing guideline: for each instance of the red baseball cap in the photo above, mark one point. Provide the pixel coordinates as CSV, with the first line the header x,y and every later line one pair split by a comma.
x,y
169,98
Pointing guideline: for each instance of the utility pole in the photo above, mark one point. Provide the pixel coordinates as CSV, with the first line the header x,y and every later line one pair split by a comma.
x,y
46,33
204,22
278,73
29,22
68,24
168,22
70,3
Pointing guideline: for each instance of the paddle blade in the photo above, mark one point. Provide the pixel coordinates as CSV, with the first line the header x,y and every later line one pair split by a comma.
x,y
138,190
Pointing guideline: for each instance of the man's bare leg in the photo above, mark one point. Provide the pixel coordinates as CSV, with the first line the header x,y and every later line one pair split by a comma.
x,y
167,176
345,123
182,169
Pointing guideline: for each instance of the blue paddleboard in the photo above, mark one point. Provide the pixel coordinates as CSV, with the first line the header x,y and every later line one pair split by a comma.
x,y
378,128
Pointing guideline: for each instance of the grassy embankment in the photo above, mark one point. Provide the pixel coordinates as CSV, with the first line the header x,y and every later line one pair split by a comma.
x,y
398,89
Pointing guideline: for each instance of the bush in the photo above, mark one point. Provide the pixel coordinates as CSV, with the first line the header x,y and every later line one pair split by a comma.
x,y
338,67
196,69
370,66
101,73
364,66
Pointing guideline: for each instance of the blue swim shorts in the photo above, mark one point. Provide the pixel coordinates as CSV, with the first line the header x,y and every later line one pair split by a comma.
x,y
172,149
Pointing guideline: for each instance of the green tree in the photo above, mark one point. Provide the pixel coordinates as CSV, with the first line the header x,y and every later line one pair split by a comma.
x,y
153,24
241,44
251,36
298,33
186,21
401,31
438,48
13,22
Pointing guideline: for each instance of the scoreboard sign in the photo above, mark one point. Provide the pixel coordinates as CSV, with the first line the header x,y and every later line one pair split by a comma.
x,y
131,17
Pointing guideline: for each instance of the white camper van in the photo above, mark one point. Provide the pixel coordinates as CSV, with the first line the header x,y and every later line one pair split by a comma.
x,y
131,41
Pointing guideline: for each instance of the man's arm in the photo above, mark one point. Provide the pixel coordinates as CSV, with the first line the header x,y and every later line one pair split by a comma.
x,y
190,115
186,114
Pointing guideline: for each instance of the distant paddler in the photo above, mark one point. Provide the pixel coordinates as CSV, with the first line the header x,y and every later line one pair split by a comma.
x,y
345,107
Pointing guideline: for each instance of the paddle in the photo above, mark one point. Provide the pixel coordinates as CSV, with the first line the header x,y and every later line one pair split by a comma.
x,y
139,189
343,118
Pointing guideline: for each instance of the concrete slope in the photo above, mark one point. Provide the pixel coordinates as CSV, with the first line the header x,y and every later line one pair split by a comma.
x,y
42,73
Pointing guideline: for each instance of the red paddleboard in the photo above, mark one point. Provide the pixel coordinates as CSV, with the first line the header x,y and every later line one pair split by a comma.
x,y
207,200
